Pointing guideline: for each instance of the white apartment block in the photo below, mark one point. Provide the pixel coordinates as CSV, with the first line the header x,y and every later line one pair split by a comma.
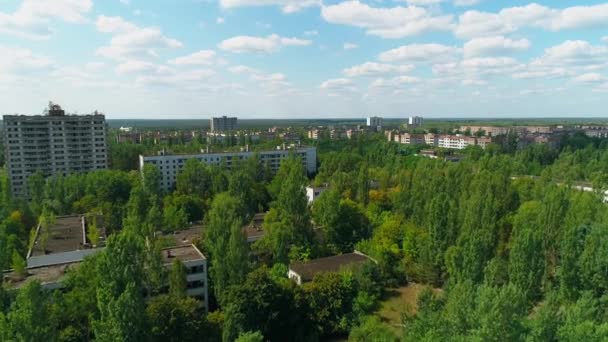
x,y
223,124
409,139
170,165
415,121
375,121
53,143
196,270
457,142
431,139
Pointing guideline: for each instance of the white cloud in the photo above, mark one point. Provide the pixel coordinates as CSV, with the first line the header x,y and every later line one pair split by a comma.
x,y
415,53
375,69
136,66
474,82
219,20
605,39
176,78
287,6
394,82
539,72
463,3
498,45
269,44
19,61
311,33
130,41
476,68
242,69
202,57
350,46
394,22
476,24
590,78
575,52
338,85
32,19
423,2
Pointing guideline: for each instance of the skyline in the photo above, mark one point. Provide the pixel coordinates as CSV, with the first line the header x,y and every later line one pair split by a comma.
x,y
290,59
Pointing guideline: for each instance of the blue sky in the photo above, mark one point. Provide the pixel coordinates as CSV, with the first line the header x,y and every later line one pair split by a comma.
x,y
305,58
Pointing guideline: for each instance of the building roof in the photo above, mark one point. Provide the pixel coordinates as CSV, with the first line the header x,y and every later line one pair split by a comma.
x,y
44,275
182,253
67,234
308,270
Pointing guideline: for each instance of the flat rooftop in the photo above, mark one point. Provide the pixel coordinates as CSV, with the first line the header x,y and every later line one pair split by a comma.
x,y
44,275
67,234
187,236
308,270
182,253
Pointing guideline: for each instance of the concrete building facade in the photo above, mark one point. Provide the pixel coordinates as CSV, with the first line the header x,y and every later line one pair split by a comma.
x,y
170,165
53,143
375,122
223,124
196,270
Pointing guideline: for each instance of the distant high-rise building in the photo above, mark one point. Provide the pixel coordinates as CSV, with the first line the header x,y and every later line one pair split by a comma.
x,y
375,121
223,124
415,121
53,143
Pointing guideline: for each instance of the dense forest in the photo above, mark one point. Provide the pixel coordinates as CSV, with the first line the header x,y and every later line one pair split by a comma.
x,y
505,248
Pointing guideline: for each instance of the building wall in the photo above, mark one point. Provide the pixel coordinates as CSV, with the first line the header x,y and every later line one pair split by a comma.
x,y
53,145
223,123
170,165
375,121
196,279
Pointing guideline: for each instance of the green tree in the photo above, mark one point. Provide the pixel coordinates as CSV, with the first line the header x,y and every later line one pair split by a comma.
x,y
250,337
28,319
177,280
226,243
174,218
177,319
120,288
372,329
151,179
194,179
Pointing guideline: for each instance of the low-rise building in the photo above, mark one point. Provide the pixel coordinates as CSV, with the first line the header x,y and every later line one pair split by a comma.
x,y
196,270
457,142
303,272
313,192
59,246
314,134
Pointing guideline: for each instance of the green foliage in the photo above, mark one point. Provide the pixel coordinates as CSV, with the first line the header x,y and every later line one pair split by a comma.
x,y
177,319
177,280
372,329
194,179
27,319
250,337
19,264
226,244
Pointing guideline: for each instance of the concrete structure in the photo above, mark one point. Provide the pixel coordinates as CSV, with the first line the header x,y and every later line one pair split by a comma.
x,y
57,247
431,139
223,124
302,272
53,143
457,142
487,130
410,139
196,270
415,121
375,122
314,134
313,192
170,165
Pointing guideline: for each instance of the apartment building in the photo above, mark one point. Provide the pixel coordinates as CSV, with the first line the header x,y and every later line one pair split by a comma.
x,y
53,143
375,122
314,134
415,121
431,139
196,270
457,142
488,130
223,124
410,139
303,272
169,165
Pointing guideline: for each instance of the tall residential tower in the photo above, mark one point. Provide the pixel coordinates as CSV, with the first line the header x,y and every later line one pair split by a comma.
x,y
53,143
223,124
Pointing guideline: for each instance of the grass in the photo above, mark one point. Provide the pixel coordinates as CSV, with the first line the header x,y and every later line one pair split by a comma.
x,y
397,302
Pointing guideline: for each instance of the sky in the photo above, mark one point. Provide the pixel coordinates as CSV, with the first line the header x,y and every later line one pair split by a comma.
x,y
170,59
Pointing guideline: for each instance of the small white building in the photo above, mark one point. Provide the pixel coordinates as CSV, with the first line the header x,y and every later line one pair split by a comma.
x,y
313,192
